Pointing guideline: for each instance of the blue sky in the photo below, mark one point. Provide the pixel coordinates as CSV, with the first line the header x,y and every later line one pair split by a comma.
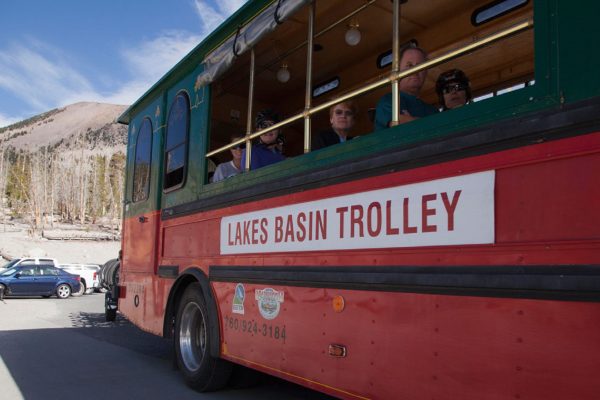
x,y
55,53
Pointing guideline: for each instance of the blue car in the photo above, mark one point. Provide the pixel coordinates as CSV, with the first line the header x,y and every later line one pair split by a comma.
x,y
38,280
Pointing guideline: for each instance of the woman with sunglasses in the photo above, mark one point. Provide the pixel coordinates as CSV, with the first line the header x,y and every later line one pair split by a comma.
x,y
453,89
269,149
342,117
233,167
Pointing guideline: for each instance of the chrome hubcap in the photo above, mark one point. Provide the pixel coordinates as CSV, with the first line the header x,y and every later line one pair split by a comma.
x,y
192,336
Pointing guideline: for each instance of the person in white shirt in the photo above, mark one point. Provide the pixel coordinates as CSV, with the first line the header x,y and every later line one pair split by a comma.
x,y
233,167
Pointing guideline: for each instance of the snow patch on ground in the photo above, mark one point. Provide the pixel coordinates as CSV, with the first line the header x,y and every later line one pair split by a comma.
x,y
15,242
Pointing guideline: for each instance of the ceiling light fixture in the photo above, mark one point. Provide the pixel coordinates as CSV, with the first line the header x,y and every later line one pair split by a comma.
x,y
353,35
283,75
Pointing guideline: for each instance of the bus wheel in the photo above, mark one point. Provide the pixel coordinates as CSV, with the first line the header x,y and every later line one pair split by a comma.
x,y
202,372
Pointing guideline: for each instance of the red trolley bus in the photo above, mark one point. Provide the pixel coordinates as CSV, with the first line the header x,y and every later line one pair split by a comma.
x,y
456,256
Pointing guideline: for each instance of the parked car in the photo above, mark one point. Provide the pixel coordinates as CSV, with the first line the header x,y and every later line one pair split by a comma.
x,y
88,274
38,280
30,261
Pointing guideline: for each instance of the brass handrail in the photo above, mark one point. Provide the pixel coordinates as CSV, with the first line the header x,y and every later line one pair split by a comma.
x,y
518,28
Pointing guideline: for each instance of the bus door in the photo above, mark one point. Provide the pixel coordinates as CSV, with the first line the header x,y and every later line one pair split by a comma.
x,y
140,231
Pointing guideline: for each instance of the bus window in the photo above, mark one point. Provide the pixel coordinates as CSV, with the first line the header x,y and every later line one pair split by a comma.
x,y
143,154
339,67
176,142
229,111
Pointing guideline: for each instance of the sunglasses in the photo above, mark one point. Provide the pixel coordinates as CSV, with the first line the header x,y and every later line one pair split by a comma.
x,y
239,147
457,87
347,113
265,124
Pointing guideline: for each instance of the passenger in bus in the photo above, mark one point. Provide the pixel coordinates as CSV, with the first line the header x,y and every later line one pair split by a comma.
x,y
269,148
453,88
342,117
210,168
411,107
230,168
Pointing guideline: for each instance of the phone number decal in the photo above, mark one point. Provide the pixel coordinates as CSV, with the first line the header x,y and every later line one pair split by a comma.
x,y
254,328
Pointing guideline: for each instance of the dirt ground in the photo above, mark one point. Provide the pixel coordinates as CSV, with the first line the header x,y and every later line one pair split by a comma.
x,y
15,242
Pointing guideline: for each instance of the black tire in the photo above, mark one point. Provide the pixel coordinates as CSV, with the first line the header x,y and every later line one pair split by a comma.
x,y
201,371
63,291
81,290
2,291
110,313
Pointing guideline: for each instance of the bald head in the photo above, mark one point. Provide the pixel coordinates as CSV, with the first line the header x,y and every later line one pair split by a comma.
x,y
409,58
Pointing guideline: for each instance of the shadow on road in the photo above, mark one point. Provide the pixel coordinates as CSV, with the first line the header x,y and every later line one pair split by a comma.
x,y
122,333
100,360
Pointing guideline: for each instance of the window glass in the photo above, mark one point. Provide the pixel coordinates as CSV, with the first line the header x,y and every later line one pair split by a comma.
x,y
11,263
176,142
495,9
47,270
386,58
9,271
175,159
510,89
177,124
143,161
326,87
28,271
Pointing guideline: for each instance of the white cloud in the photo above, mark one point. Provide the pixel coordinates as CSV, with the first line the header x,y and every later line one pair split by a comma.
x,y
149,61
152,59
39,75
211,17
230,6
42,76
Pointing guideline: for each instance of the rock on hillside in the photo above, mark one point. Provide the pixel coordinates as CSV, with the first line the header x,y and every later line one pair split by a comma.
x,y
87,125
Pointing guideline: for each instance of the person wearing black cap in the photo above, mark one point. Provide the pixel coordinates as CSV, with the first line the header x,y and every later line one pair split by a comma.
x,y
453,89
268,149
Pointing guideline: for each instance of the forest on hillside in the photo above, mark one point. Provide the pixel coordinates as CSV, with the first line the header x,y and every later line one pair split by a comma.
x,y
45,187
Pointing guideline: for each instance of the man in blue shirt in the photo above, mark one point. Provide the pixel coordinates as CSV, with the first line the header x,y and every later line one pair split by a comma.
x,y
268,149
411,107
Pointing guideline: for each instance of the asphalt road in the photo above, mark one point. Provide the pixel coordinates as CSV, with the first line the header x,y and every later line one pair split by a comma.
x,y
53,349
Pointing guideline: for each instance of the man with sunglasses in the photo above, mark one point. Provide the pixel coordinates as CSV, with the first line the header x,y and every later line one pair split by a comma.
x,y
453,89
342,117
233,167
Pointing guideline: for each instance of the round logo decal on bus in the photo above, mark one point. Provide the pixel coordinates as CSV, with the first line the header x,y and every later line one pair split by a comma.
x,y
269,302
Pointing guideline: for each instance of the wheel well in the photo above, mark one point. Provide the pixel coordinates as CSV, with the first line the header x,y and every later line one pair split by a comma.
x,y
173,303
193,275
